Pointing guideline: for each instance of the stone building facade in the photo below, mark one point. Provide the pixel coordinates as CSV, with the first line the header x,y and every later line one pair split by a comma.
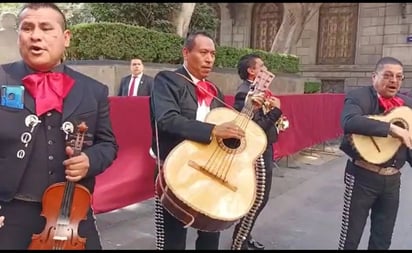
x,y
339,45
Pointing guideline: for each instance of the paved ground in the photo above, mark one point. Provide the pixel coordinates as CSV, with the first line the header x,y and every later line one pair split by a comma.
x,y
304,211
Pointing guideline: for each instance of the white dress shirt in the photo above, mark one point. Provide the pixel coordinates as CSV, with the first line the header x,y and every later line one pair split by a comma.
x,y
136,84
202,109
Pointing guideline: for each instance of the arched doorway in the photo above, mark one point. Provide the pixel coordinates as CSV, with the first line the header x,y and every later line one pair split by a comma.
x,y
266,20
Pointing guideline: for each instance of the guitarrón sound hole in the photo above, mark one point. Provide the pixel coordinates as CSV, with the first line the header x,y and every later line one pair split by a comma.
x,y
231,143
400,124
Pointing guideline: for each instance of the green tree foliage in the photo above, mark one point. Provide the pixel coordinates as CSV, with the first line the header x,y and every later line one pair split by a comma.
x,y
156,16
312,87
122,42
10,7
79,13
204,18
75,13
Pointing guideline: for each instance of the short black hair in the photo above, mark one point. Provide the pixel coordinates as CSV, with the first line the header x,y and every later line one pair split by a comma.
x,y
387,60
36,6
190,39
244,63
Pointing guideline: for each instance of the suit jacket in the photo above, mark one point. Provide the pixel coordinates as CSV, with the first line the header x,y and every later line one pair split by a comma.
x,y
266,122
87,101
359,103
145,86
173,104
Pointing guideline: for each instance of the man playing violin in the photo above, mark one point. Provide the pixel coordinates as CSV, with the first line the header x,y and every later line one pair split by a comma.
x,y
248,68
34,149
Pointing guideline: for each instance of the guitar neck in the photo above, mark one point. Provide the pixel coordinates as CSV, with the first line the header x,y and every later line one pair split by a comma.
x,y
261,84
248,109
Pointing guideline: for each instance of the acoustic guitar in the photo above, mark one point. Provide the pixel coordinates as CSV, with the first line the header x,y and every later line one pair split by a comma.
x,y
211,186
378,150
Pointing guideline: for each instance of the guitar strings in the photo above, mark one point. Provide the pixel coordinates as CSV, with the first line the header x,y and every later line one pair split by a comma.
x,y
248,110
220,162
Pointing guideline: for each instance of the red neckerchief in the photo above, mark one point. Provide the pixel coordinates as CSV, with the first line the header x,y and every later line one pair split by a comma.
x,y
48,90
205,91
389,103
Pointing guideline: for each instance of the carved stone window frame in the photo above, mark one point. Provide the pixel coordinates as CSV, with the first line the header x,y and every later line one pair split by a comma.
x,y
325,11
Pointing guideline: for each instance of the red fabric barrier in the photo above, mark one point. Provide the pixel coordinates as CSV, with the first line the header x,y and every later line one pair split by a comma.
x,y
130,179
313,119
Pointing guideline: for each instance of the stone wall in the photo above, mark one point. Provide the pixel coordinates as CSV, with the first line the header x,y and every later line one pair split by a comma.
x,y
236,32
352,75
306,47
370,32
382,30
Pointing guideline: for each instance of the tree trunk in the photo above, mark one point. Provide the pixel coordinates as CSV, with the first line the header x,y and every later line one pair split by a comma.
x,y
182,21
295,17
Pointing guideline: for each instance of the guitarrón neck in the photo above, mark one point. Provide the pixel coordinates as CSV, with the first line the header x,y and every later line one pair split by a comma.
x,y
248,108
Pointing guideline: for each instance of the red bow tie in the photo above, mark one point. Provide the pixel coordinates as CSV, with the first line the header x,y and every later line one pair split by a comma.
x,y
389,103
48,90
205,91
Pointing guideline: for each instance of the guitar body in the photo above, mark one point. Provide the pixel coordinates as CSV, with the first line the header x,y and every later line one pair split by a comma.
x,y
212,196
386,146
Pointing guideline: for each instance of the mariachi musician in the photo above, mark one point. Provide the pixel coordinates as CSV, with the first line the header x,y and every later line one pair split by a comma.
x,y
248,68
372,190
49,100
179,103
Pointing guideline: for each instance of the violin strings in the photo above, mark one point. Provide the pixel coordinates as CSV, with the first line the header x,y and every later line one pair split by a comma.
x,y
67,198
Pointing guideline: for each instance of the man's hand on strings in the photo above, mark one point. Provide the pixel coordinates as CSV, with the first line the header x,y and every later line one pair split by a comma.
x,y
257,98
272,103
228,130
402,134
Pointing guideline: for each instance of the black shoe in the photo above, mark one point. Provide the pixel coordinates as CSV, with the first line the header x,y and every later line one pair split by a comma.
x,y
252,244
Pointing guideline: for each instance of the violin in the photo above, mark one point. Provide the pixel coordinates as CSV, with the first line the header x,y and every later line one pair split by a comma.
x,y
65,205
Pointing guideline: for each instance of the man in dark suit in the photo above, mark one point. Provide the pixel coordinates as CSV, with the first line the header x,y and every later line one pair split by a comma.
x,y
370,187
248,68
137,83
179,103
38,129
